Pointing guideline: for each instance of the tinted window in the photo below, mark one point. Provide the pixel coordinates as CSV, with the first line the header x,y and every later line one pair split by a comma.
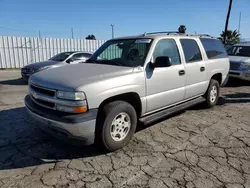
x,y
87,55
61,56
191,50
239,51
214,48
167,47
80,56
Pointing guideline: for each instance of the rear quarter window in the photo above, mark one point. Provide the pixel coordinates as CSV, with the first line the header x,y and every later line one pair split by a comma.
x,y
214,48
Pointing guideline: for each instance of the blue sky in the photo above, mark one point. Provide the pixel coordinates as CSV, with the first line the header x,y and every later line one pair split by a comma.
x,y
55,18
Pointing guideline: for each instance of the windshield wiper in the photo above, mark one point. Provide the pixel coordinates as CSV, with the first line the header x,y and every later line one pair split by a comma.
x,y
117,62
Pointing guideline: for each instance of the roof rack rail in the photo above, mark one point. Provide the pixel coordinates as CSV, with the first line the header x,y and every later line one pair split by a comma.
x,y
162,32
203,35
176,33
244,42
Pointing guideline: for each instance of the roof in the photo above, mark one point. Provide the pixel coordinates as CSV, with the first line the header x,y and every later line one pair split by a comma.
x,y
162,34
72,52
247,43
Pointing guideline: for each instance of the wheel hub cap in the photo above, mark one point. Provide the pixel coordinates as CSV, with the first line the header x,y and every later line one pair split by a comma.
x,y
213,94
120,126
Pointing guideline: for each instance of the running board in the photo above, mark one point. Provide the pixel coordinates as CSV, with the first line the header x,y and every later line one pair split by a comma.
x,y
166,112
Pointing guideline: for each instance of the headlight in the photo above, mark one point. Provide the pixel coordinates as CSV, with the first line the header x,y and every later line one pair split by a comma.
x,y
245,66
43,68
77,96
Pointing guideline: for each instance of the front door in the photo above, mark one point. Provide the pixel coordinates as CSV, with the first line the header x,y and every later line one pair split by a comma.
x,y
165,85
195,68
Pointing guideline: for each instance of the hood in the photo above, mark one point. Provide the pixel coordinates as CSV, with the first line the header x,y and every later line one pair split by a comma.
x,y
239,59
70,77
38,65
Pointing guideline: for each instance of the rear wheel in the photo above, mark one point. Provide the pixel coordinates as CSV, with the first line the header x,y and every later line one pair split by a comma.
x,y
212,94
116,125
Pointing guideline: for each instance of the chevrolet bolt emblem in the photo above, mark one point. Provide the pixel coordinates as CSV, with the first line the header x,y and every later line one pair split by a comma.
x,y
35,95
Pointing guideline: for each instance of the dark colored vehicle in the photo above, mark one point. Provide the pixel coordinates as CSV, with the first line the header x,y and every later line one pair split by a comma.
x,y
58,60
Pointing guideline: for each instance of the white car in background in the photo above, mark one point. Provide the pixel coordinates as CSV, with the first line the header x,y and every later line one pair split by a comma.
x,y
58,60
239,56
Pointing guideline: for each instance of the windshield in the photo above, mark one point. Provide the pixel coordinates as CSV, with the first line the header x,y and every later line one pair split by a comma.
x,y
61,56
239,51
129,53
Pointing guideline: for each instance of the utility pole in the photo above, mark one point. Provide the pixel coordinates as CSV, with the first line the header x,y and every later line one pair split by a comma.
x,y
112,26
227,20
72,33
239,23
39,34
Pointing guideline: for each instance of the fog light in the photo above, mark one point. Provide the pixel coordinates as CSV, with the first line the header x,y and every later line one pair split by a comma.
x,y
68,109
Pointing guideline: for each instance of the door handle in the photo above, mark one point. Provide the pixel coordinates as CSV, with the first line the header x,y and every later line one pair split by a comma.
x,y
181,72
202,69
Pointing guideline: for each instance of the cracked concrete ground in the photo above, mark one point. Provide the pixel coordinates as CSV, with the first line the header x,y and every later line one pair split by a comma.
x,y
197,148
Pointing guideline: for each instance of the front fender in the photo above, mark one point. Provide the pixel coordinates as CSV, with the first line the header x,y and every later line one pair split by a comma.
x,y
94,101
99,91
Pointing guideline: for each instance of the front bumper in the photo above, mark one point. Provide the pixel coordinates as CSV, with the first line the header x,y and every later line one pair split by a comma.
x,y
243,75
25,76
80,127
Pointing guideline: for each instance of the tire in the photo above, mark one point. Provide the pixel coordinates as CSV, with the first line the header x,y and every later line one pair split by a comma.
x,y
212,94
113,129
226,81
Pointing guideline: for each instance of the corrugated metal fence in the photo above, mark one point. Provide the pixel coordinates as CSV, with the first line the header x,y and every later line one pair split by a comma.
x,y
15,52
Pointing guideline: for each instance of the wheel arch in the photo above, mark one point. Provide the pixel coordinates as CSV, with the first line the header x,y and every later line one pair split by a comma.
x,y
218,77
132,98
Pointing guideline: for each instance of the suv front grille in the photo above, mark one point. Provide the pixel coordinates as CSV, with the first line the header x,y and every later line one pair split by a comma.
x,y
43,103
43,91
234,65
26,70
46,93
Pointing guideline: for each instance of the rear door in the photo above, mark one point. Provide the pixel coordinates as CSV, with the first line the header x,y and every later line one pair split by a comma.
x,y
217,58
195,68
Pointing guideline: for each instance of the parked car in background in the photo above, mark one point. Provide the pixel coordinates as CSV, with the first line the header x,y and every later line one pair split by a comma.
x,y
58,60
239,56
227,46
144,77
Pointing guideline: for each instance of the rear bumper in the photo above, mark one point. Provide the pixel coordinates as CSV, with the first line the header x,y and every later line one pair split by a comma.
x,y
243,75
80,127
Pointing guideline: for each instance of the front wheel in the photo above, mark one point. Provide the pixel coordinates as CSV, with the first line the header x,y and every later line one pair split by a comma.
x,y
116,125
212,94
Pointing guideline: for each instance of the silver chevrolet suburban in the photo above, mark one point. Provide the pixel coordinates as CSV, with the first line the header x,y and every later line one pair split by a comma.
x,y
127,80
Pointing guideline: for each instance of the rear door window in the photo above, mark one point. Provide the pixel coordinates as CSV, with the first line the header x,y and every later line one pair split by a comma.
x,y
214,48
191,50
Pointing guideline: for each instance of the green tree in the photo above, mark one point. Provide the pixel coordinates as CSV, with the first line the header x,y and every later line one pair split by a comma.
x,y
182,29
230,37
91,37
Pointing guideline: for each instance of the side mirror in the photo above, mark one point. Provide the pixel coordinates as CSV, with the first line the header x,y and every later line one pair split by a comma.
x,y
161,61
69,60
